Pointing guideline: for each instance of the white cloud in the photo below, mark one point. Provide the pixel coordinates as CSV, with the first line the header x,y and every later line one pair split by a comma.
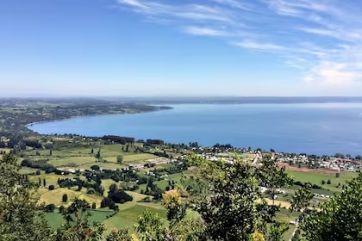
x,y
333,74
133,3
205,31
322,38
251,44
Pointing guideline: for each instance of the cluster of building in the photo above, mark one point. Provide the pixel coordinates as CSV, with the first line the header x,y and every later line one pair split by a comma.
x,y
332,163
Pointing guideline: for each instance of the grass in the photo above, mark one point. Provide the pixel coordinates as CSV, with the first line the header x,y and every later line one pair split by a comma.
x,y
82,158
27,170
128,217
55,219
51,178
55,197
317,178
285,216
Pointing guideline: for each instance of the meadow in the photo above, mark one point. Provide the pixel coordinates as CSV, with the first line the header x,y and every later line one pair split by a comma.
x,y
318,178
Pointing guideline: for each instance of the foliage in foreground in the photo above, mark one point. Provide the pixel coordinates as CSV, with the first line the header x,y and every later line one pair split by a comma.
x,y
230,211
340,218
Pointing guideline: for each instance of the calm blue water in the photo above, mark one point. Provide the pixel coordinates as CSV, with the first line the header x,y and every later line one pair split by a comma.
x,y
310,128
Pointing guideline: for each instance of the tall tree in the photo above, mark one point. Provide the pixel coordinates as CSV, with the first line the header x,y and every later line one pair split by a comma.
x,y
230,211
19,218
340,218
301,198
176,210
271,176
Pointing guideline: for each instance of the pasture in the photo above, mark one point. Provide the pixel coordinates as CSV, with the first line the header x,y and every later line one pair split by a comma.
x,y
317,178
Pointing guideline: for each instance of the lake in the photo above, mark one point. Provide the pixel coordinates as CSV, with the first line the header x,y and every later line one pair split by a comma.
x,y
302,128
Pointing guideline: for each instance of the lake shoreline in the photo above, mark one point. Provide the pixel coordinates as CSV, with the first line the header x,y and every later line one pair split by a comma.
x,y
308,128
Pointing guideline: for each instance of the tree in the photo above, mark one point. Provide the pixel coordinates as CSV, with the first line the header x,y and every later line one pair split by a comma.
x,y
62,209
44,182
176,210
98,154
65,198
51,187
150,227
49,208
118,195
119,159
257,236
230,211
94,206
301,198
95,167
20,219
271,176
190,228
276,231
340,218
79,229
119,235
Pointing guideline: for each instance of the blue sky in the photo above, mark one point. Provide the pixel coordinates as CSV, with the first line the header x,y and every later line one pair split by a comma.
x,y
182,48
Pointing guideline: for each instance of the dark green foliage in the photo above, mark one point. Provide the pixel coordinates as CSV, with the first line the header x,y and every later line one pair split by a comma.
x,y
120,159
65,198
19,218
79,229
95,168
339,218
230,211
118,195
77,182
49,208
275,231
40,164
301,199
271,176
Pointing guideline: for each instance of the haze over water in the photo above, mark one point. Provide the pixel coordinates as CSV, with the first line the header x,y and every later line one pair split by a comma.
x,y
300,128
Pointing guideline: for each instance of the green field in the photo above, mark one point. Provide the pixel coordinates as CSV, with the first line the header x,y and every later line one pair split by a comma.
x,y
82,158
55,219
127,215
285,216
317,178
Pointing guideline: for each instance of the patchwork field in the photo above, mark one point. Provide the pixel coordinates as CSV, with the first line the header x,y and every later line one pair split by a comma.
x,y
127,215
83,158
